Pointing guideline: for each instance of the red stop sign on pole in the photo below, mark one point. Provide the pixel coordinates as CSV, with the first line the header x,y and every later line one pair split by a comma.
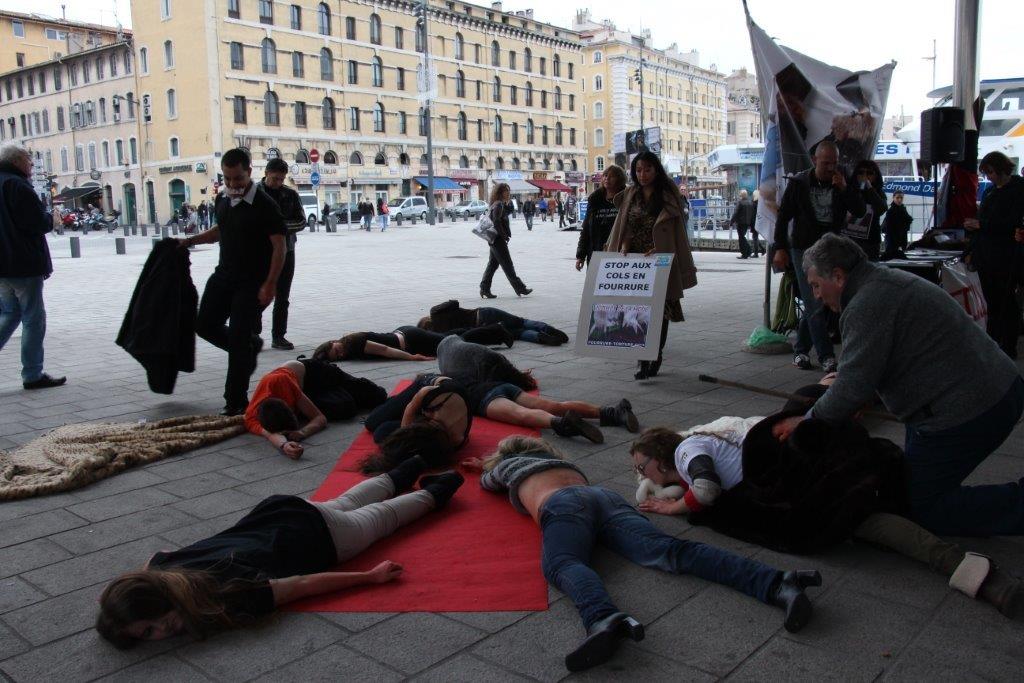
x,y
314,155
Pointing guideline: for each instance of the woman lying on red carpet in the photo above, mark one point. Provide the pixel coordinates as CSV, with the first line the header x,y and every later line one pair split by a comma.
x,y
575,516
282,550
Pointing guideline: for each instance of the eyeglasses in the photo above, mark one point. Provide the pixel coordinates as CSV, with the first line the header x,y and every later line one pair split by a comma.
x,y
639,469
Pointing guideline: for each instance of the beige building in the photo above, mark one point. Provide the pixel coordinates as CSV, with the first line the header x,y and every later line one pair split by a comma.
x,y
685,101
78,116
743,109
27,39
284,79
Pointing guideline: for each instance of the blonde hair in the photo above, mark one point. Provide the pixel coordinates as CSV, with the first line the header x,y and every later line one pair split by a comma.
x,y
519,444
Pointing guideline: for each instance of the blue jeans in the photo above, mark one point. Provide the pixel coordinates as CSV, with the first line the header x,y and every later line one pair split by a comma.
x,y
938,462
812,326
21,302
520,328
575,518
366,222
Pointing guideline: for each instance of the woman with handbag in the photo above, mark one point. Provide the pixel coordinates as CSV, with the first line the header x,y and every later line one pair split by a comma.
x,y
382,213
651,219
499,246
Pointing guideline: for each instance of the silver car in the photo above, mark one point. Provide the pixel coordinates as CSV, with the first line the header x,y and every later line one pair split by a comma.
x,y
471,208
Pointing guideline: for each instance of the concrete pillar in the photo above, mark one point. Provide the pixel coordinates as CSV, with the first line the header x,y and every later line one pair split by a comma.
x,y
145,230
119,246
127,228
76,247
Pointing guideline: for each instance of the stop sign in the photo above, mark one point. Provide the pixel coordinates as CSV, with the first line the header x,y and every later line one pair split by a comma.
x,y
314,155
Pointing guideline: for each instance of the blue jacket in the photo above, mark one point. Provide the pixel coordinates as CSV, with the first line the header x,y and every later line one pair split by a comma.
x,y
23,227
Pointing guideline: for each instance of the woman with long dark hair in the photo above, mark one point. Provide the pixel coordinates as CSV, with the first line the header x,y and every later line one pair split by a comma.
x,y
652,220
405,343
281,551
867,178
499,247
601,214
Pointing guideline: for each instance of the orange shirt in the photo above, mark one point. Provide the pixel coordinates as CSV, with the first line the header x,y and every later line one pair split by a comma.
x,y
280,383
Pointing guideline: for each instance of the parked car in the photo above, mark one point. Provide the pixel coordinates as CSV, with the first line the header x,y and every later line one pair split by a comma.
x,y
471,208
310,207
407,207
340,212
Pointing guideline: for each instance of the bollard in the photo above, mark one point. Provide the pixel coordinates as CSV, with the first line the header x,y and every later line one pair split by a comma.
x,y
144,230
126,229
110,229
398,219
174,228
413,219
164,232
76,247
119,246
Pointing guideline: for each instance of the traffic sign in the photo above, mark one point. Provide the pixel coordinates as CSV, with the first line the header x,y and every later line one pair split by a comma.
x,y
314,155
314,179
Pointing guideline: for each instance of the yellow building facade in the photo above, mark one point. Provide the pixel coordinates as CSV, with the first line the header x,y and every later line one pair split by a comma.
x,y
685,101
283,79
28,39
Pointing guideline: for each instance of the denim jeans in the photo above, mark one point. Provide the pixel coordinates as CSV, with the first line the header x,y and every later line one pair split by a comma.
x,y
529,220
938,462
520,328
576,518
813,327
21,302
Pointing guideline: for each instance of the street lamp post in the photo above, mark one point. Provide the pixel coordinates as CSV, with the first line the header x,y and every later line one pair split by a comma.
x,y
421,26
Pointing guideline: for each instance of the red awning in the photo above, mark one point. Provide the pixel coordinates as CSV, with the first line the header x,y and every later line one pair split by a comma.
x,y
550,185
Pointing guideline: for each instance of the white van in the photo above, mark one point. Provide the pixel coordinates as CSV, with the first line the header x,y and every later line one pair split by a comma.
x,y
407,207
311,208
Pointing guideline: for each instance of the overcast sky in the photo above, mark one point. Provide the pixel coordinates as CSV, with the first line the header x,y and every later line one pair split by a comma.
x,y
853,35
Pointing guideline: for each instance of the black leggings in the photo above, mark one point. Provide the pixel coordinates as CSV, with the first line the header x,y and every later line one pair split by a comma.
x,y
337,394
425,342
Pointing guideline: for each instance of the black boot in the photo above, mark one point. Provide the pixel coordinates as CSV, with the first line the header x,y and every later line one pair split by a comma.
x,y
489,335
486,294
1003,591
620,415
643,369
548,339
789,595
571,424
406,474
603,640
442,487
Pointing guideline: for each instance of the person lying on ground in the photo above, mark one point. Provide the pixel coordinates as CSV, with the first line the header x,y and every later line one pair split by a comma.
x,y
314,390
405,343
449,316
283,550
708,464
575,516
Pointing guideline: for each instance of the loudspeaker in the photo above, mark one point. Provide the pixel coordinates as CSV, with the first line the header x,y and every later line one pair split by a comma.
x,y
942,135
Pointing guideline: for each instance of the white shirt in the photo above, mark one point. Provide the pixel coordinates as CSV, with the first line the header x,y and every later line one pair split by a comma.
x,y
728,459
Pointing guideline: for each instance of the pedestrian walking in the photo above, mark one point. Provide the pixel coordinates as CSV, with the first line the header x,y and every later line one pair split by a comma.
x,y
560,207
743,220
651,219
755,240
366,213
499,247
382,213
324,213
542,208
202,212
552,207
290,204
24,264
529,209
601,214
895,227
251,233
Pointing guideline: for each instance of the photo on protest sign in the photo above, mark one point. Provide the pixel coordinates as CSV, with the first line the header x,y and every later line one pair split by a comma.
x,y
621,311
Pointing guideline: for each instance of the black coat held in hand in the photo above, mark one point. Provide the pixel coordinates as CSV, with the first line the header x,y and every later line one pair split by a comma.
x,y
810,492
159,329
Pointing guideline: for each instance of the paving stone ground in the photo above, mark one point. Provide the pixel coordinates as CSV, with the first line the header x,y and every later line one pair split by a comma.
x,y
878,616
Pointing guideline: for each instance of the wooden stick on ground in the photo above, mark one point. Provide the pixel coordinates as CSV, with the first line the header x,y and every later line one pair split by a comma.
x,y
889,417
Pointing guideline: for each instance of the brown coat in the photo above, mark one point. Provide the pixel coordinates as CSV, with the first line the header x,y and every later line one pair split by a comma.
x,y
669,238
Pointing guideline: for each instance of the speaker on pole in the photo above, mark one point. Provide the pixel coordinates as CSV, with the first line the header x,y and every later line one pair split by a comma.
x,y
942,135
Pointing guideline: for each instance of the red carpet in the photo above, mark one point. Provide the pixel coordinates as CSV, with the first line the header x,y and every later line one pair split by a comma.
x,y
476,555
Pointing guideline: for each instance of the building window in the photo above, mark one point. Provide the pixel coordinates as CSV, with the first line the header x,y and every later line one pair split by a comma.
x,y
515,133
572,102
237,56
462,132
79,158
400,76
530,132
268,56
323,20
572,137
46,120
271,112
298,65
375,29
350,28
60,118
103,110
460,84
378,118
144,60
476,52
86,71
479,130
64,159
495,53
463,161
544,135
326,65
353,72
543,99
599,137
238,106
556,66
598,83
421,39
168,55
497,129
378,73
380,159
266,8
460,46
327,113
512,59
295,15
496,90
99,68
355,159
543,66
598,110
513,94
19,28
353,118
558,134
424,121
174,149
399,38
558,97
299,109
233,9
172,104
529,94
58,81
403,123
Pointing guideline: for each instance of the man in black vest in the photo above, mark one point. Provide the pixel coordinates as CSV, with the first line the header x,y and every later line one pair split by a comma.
x,y
251,233
291,209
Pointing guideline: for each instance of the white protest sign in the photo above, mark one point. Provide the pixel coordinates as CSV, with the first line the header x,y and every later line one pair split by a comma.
x,y
625,276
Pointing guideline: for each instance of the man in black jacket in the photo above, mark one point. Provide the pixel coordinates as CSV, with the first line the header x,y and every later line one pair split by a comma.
x,y
816,201
291,209
743,220
24,264
251,233
529,209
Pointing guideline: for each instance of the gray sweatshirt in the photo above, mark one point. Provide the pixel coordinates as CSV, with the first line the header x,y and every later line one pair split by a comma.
x,y
514,469
459,358
911,342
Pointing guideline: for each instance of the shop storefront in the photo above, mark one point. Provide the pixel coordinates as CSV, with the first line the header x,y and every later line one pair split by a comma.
x,y
473,180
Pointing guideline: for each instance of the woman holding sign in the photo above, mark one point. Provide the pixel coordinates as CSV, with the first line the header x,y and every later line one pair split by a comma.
x,y
651,220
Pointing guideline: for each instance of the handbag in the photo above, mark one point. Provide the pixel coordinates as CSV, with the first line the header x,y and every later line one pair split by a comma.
x,y
484,229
